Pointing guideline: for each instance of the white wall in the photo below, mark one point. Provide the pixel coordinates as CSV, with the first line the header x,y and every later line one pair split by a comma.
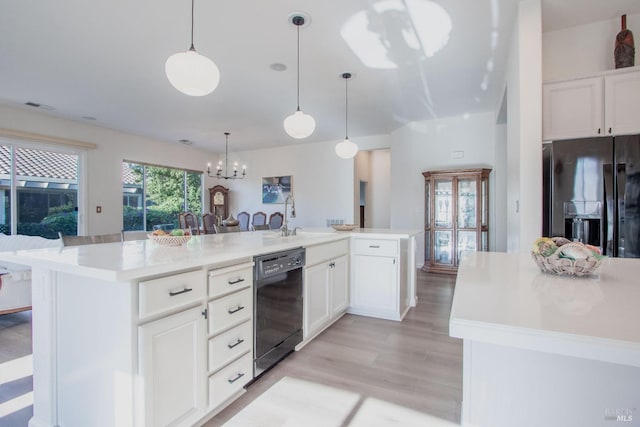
x,y
428,145
104,164
524,129
323,183
584,49
362,161
379,190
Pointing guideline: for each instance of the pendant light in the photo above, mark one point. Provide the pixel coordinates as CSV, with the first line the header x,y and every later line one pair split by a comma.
x,y
299,125
219,174
346,149
191,73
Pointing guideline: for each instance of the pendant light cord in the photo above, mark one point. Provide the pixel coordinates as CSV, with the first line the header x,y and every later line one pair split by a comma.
x,y
192,47
298,109
226,154
346,107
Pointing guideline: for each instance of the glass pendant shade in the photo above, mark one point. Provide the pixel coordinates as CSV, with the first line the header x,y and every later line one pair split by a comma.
x,y
346,149
299,125
191,73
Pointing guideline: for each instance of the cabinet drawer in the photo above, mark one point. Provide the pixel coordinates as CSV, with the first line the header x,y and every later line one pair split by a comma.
x,y
317,254
166,293
375,247
230,380
227,346
230,279
230,310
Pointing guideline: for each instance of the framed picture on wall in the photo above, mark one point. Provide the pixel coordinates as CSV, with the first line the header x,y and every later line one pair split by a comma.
x,y
275,189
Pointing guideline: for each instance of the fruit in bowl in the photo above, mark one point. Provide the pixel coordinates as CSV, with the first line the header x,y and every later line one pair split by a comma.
x,y
175,237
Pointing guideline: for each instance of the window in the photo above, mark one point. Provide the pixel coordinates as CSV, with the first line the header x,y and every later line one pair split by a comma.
x,y
153,196
39,191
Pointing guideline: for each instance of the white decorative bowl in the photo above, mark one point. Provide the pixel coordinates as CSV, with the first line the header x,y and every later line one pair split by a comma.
x,y
344,227
167,240
554,264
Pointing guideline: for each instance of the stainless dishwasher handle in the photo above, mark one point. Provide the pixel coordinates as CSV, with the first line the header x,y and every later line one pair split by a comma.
x,y
236,310
185,290
233,380
237,343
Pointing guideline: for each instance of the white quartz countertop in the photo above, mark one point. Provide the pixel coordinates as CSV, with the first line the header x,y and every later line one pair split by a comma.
x,y
504,299
135,259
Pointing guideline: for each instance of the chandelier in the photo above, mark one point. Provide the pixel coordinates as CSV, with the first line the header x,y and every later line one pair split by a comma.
x,y
218,173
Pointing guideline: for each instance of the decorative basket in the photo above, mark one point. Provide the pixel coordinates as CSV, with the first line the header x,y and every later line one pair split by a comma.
x,y
344,227
170,240
554,264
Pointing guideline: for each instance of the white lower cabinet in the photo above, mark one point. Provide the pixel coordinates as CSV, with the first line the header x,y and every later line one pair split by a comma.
x,y
230,380
326,287
316,299
230,346
375,286
173,368
379,278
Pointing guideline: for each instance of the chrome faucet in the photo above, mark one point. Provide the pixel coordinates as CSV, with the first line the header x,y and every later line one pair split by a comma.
x,y
285,223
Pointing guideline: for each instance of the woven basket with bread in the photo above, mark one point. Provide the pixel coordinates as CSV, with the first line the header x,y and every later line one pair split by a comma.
x,y
560,256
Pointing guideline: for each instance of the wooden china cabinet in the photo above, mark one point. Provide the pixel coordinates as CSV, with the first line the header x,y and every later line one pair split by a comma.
x,y
456,216
219,202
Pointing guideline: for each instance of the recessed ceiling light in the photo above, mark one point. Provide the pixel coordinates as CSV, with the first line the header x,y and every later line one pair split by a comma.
x,y
88,118
185,142
276,66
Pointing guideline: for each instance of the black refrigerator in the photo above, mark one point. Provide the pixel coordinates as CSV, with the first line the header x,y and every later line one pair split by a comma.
x,y
592,192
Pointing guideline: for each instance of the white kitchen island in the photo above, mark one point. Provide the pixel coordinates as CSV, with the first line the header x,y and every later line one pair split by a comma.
x,y
131,333
543,350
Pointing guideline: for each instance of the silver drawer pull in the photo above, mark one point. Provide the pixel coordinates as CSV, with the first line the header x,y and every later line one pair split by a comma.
x,y
235,310
185,290
233,380
233,282
374,246
240,341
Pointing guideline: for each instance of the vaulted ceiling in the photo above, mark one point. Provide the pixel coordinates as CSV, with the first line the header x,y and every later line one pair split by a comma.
x,y
103,62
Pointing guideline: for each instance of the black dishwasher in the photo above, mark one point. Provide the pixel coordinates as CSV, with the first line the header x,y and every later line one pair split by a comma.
x,y
277,307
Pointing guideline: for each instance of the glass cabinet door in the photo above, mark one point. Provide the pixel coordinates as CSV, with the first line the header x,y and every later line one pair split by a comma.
x,y
467,197
443,205
466,241
443,253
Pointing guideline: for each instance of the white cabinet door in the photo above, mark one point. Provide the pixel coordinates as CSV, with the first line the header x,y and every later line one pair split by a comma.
x,y
339,285
622,115
172,366
375,284
316,298
572,109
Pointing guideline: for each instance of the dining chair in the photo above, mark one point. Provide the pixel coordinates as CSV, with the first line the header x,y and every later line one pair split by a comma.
x,y
190,221
243,219
259,218
275,220
227,229
90,240
260,227
208,223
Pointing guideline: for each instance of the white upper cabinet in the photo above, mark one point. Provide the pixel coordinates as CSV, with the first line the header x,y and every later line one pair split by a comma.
x,y
596,106
622,93
572,109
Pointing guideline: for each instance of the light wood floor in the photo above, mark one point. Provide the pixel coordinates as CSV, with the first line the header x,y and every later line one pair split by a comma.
x,y
413,363
15,342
